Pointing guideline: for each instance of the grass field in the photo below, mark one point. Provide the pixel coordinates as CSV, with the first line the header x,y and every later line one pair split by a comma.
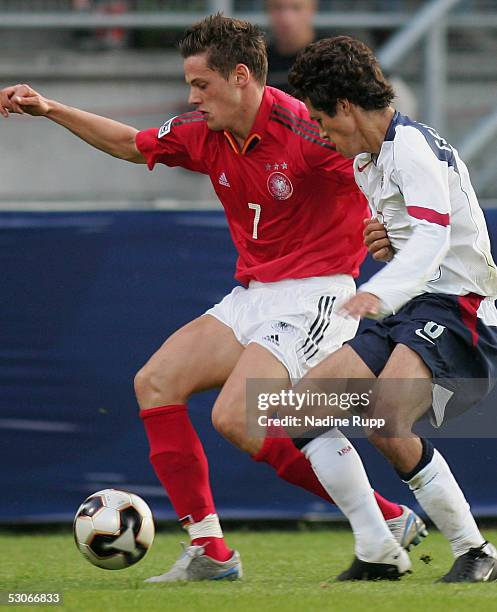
x,y
284,570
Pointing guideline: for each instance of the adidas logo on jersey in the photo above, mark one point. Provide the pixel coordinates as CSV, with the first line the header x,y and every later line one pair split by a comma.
x,y
273,338
223,180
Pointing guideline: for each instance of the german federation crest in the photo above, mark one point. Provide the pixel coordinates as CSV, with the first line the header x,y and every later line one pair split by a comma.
x,y
282,326
279,186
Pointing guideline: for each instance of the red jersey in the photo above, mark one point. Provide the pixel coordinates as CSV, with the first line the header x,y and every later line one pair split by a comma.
x,y
291,201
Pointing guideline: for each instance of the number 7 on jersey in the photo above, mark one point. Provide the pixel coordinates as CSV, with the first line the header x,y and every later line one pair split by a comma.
x,y
257,216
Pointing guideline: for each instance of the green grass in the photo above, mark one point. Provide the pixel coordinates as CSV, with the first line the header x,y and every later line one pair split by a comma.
x,y
285,571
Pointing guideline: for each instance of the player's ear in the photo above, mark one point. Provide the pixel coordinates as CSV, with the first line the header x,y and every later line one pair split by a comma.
x,y
242,75
343,107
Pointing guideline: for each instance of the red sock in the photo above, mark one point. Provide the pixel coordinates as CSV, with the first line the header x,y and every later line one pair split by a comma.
x,y
294,467
215,548
179,461
389,509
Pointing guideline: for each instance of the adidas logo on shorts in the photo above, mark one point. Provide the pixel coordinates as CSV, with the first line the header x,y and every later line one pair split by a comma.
x,y
273,338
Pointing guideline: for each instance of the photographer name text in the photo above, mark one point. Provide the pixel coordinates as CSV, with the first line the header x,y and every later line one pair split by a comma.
x,y
313,421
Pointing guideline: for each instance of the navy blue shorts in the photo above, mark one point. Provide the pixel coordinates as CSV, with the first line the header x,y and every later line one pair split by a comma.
x,y
446,333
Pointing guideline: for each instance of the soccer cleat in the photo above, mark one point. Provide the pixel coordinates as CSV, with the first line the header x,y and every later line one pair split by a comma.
x,y
408,529
477,565
194,565
392,564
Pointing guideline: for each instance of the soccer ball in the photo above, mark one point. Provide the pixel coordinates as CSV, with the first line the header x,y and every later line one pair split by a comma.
x,y
113,529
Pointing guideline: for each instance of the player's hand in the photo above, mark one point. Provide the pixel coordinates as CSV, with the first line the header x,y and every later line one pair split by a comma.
x,y
377,241
22,99
361,305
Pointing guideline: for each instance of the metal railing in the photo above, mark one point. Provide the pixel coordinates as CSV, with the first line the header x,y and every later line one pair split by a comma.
x,y
414,24
50,19
428,25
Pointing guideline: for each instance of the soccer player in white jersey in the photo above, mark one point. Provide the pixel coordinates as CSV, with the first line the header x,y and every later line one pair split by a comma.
x,y
434,301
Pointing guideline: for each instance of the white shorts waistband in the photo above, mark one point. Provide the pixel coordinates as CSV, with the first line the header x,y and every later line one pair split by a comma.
x,y
342,280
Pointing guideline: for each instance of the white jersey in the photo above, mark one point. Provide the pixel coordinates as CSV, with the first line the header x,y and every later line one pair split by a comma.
x,y
420,189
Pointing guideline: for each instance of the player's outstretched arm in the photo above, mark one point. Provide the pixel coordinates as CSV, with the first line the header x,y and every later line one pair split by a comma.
x,y
112,137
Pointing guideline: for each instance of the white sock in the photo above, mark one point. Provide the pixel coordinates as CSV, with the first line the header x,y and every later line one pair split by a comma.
x,y
441,498
341,472
208,527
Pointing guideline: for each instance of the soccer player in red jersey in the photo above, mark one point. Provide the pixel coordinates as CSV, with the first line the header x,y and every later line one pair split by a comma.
x,y
295,216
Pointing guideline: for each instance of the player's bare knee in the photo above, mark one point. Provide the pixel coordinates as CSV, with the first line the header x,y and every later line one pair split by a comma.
x,y
227,422
220,420
143,386
157,387
386,419
390,446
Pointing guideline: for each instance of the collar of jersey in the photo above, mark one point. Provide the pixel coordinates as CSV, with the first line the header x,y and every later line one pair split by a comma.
x,y
389,137
390,133
258,128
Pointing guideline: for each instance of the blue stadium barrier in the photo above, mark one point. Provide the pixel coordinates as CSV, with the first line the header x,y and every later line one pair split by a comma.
x,y
86,298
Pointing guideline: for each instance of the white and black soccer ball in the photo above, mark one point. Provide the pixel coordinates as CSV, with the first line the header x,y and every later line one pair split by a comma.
x,y
114,529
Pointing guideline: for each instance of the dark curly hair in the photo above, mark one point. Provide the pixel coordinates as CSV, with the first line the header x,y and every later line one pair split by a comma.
x,y
228,42
340,68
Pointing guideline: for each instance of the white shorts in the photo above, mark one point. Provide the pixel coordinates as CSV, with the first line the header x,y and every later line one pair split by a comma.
x,y
295,319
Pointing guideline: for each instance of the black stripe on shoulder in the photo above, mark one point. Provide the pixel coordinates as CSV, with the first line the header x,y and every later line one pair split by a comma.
x,y
190,114
297,131
295,117
193,120
287,119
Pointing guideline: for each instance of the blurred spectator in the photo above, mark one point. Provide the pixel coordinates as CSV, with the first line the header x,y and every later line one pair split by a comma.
x,y
113,38
291,24
103,38
292,28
